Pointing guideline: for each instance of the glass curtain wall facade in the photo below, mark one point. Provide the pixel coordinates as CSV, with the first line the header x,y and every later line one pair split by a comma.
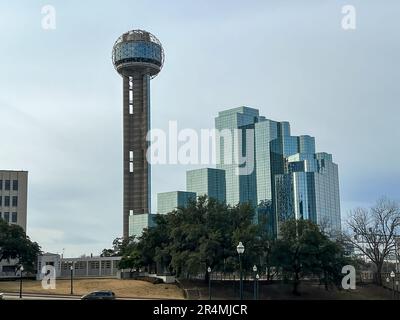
x,y
207,181
169,201
139,222
289,180
266,131
237,123
309,190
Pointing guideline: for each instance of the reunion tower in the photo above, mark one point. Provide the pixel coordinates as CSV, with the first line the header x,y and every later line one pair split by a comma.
x,y
138,57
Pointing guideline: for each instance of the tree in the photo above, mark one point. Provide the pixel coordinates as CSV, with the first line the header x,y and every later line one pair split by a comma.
x,y
266,239
15,244
373,231
302,249
107,253
120,247
190,239
199,234
295,251
132,260
331,257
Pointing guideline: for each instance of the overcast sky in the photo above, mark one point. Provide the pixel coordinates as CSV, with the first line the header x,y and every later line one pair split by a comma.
x,y
61,99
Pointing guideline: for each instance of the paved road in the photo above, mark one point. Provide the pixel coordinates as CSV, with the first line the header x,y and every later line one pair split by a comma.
x,y
32,296
15,296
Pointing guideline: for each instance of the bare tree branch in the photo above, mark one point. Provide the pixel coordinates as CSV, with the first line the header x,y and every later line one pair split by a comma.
x,y
374,231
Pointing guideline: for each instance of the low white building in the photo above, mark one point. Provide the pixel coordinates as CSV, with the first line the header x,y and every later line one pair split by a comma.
x,y
48,259
89,267
86,266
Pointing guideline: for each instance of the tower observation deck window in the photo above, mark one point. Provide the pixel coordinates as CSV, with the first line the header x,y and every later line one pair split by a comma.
x,y
131,161
138,51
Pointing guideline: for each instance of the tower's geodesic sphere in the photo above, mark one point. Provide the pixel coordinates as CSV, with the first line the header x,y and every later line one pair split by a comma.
x,y
138,50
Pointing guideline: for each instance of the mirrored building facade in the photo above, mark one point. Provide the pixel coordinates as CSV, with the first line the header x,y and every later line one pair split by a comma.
x,y
288,179
309,189
169,201
207,181
235,153
139,222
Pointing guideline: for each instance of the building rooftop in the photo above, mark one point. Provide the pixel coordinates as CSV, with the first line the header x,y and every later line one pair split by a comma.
x,y
242,109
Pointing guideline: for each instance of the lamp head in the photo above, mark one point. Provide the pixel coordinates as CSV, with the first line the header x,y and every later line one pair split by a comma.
x,y
240,248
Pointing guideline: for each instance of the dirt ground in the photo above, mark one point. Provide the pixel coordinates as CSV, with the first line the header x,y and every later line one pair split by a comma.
x,y
121,288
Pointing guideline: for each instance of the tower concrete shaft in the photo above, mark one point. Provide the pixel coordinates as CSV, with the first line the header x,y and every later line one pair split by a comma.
x,y
136,123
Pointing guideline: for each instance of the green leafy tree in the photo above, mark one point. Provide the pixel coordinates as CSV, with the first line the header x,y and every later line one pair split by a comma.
x,y
302,249
196,239
121,246
107,253
265,243
131,261
188,240
15,244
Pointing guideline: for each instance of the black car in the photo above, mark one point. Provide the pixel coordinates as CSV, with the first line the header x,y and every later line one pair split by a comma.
x,y
99,295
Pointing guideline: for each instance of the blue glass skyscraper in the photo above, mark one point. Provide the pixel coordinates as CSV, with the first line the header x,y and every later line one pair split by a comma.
x,y
259,162
238,123
288,180
207,181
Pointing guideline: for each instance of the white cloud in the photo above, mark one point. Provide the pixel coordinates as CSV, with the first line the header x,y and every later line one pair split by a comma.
x,y
49,236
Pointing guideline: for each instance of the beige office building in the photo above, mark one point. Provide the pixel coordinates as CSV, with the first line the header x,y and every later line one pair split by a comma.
x,y
13,197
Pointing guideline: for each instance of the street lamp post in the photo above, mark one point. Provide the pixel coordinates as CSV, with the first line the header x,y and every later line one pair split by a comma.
x,y
397,289
21,269
240,251
393,276
255,282
396,253
209,282
258,288
388,282
71,268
